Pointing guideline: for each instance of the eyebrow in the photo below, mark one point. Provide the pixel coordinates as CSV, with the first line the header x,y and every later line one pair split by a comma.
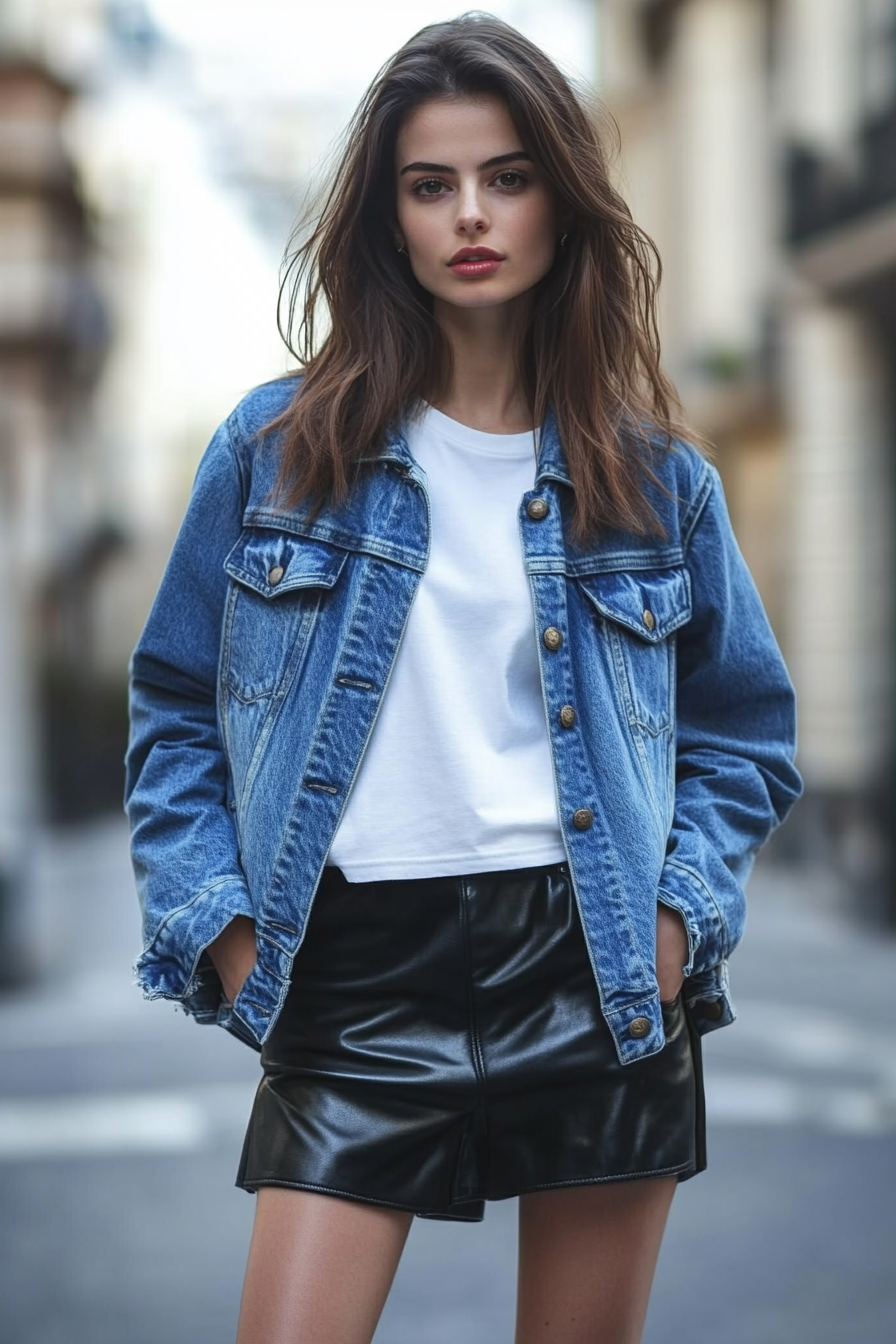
x,y
496,162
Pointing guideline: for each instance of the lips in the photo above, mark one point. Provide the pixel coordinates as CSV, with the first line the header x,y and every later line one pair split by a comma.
x,y
468,254
475,263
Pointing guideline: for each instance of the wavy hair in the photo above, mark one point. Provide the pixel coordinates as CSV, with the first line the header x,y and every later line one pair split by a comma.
x,y
362,328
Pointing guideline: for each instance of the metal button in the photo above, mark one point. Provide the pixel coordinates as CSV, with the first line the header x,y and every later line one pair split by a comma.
x,y
649,619
638,1027
552,638
711,1009
567,717
275,574
583,818
538,509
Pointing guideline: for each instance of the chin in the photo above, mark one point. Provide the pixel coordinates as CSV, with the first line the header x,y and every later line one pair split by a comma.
x,y
479,294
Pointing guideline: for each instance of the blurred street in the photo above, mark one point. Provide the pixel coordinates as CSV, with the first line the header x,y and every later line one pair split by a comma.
x,y
121,1123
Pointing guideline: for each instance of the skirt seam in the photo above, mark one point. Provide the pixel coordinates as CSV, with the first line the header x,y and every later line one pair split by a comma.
x,y
313,1188
599,1180
471,1198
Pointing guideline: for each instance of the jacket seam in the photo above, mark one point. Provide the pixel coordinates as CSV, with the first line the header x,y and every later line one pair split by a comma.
x,y
697,505
644,1001
240,469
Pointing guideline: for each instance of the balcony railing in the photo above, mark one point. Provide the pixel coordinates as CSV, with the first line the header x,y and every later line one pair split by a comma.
x,y
823,195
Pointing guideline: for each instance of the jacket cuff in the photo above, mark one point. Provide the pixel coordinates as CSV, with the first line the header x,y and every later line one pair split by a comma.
x,y
169,966
708,999
682,889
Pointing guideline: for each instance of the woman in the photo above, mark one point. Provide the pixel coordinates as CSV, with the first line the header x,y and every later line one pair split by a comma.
x,y
456,643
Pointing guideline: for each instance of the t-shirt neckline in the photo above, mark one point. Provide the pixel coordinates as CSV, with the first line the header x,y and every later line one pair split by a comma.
x,y
519,445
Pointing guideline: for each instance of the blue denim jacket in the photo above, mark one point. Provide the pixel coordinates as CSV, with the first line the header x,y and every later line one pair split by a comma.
x,y
257,679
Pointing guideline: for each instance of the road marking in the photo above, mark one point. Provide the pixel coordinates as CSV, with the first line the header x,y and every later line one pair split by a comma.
x,y
770,1099
809,1038
89,1010
106,1125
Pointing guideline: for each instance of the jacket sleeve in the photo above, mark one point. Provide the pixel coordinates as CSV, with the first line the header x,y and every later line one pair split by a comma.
x,y
736,738
183,839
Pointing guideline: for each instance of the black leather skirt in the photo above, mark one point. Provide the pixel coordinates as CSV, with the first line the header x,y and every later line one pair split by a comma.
x,y
442,1044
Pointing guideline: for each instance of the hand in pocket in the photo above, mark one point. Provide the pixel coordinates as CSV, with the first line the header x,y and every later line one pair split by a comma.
x,y
234,954
671,952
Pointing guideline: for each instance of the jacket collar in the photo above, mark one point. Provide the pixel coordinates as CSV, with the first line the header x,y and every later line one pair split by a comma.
x,y
551,458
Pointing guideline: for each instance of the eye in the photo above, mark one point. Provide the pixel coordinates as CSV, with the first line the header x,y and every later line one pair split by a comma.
x,y
510,179
428,186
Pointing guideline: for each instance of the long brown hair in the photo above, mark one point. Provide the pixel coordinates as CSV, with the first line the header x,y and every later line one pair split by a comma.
x,y
591,350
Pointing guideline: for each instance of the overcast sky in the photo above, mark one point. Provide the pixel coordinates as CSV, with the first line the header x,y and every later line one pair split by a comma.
x,y
336,47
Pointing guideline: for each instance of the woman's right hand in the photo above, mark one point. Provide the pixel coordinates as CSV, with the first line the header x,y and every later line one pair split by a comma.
x,y
234,954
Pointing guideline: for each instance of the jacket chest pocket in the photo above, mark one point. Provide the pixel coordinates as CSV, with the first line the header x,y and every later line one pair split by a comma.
x,y
278,584
639,611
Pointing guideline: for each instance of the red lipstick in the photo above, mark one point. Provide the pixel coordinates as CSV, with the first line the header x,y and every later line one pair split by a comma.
x,y
472,262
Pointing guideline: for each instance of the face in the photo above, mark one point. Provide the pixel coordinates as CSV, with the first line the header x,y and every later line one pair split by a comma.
x,y
475,213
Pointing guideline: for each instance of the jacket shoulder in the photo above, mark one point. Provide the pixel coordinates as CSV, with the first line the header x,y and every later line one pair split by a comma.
x,y
685,480
260,406
244,429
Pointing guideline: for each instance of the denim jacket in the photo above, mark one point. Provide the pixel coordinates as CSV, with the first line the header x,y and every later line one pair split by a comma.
x,y
257,680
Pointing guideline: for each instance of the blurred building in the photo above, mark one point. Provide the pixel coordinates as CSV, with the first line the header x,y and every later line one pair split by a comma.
x,y
191,282
121,347
52,336
759,150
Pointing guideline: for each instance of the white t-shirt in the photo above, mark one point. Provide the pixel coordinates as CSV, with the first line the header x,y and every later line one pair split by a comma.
x,y
457,777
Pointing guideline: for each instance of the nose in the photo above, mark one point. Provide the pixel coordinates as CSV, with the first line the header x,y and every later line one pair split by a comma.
x,y
471,218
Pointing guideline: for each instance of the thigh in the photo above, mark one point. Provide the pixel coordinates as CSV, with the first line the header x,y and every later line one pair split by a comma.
x,y
320,1268
587,1259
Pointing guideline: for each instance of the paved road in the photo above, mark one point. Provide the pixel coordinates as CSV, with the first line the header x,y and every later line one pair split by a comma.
x,y
120,1127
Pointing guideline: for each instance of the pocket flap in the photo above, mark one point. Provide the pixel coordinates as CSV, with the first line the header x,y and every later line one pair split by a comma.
x,y
273,563
651,602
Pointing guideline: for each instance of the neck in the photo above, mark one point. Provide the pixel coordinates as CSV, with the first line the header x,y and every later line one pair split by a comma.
x,y
486,390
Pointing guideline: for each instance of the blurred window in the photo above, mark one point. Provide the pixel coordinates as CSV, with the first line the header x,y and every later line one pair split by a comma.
x,y
878,57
